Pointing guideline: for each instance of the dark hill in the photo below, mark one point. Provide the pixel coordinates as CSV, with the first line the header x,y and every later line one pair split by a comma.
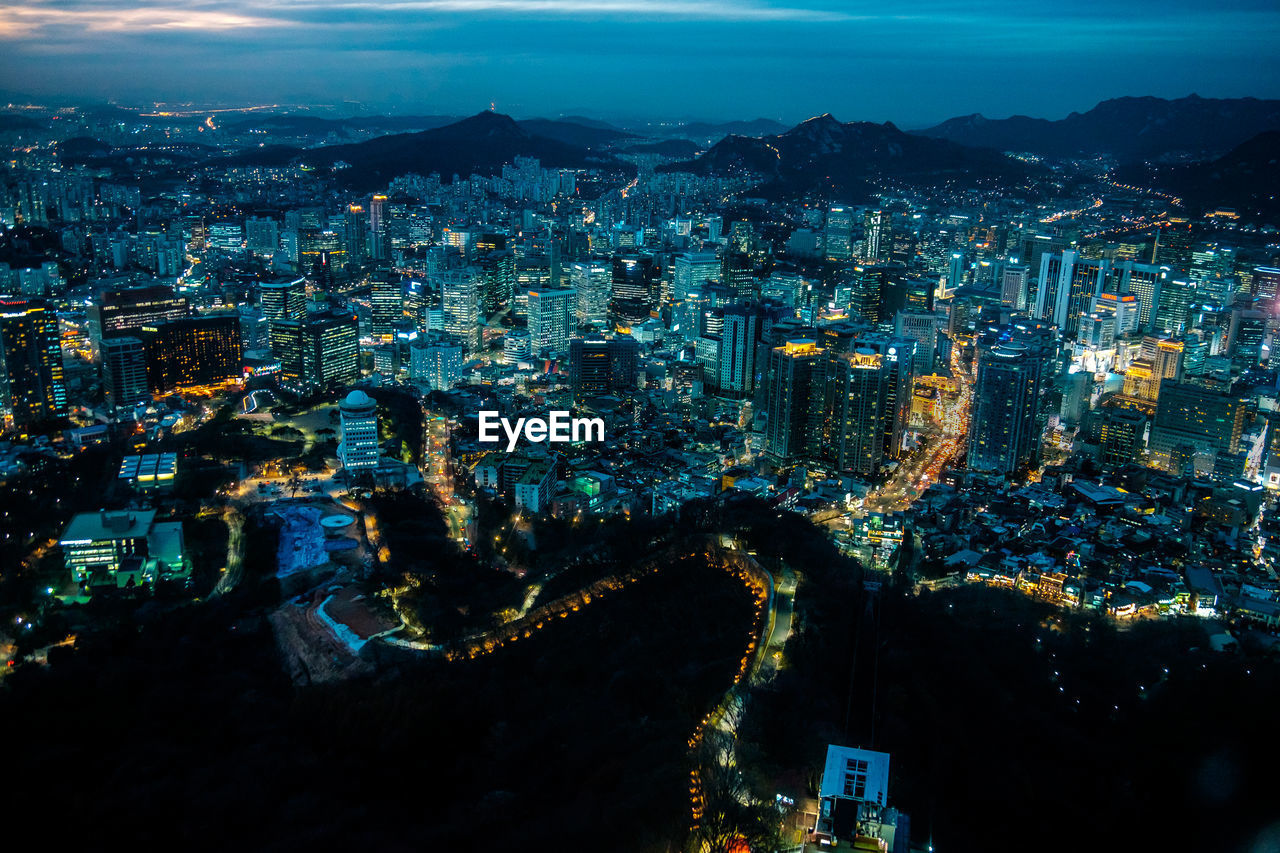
x,y
1126,128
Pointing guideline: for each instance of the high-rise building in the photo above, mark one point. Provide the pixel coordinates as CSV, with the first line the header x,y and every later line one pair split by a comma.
x,y
839,233
386,305
379,241
1246,336
599,365
285,299
1067,287
551,319
793,398
437,362
876,235
498,280
124,311
192,352
862,418
592,280
922,327
124,371
358,437
1173,308
692,271
317,353
1014,281
632,278
1192,419
1002,428
1122,436
460,301
736,350
262,235
31,384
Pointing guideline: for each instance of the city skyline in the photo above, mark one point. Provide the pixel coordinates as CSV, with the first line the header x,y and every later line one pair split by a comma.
x,y
783,60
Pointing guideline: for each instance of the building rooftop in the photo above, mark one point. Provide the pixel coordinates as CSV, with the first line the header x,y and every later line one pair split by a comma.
x,y
99,526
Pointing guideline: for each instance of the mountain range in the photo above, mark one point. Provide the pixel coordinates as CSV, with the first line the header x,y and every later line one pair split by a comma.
x,y
1128,129
1246,178
831,157
480,144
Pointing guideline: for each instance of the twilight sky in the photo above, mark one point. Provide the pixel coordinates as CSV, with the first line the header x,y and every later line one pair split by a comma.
x,y
912,62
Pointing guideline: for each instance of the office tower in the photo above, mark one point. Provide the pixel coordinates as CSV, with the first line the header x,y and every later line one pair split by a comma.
x,y
865,294
124,311
1266,283
1014,281
1141,280
379,244
460,301
1077,390
793,398
1068,285
632,278
895,357
124,371
1192,419
1168,361
386,305
1246,336
839,233
1124,310
853,425
283,300
1173,309
317,353
358,432
551,319
957,271
692,271
738,273
1172,246
1195,349
592,279
1122,436
196,351
736,356
262,235
438,362
599,365
875,235
32,389
226,237
533,272
1002,428
922,327
498,280
356,235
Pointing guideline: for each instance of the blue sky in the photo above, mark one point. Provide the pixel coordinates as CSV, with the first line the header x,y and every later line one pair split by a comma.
x,y
913,63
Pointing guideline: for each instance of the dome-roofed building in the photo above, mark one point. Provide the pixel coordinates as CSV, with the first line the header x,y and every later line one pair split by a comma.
x,y
358,418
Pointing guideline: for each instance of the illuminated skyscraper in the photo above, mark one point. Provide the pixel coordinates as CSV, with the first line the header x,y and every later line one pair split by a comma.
x,y
379,240
1067,286
460,300
839,233
1002,427
386,305
358,438
793,398
551,319
283,300
32,390
124,370
193,352
592,280
319,352
692,271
